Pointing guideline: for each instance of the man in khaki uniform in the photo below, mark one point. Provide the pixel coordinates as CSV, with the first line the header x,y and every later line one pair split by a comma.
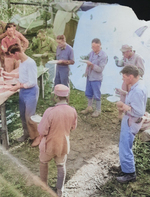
x,y
54,128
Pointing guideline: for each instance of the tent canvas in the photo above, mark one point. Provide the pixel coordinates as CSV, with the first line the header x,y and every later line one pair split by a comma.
x,y
115,25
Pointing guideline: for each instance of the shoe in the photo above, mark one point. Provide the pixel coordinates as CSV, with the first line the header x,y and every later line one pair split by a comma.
x,y
127,178
36,141
23,138
59,193
89,109
96,114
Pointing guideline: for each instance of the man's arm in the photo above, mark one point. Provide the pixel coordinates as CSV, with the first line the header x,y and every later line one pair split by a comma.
x,y
44,125
24,41
75,121
140,65
3,35
101,65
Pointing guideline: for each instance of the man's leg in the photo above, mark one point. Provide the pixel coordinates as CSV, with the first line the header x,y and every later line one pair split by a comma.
x,y
22,109
44,171
61,173
125,152
57,77
96,85
89,95
64,75
27,103
31,103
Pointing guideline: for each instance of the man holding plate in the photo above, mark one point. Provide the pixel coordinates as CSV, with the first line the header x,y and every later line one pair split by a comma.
x,y
95,66
65,57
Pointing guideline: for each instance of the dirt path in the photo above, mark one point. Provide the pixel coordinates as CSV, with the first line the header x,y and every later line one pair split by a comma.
x,y
94,149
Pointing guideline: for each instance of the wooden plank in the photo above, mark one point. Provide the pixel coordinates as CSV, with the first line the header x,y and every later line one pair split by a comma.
x,y
4,132
29,3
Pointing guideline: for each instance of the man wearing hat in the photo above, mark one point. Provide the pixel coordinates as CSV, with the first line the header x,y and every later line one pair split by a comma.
x,y
132,59
54,128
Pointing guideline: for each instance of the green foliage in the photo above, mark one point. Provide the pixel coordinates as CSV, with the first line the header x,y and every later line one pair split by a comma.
x,y
140,188
13,184
45,15
142,156
148,105
77,99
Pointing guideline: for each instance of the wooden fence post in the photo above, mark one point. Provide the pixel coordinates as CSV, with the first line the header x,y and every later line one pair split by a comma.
x,y
4,139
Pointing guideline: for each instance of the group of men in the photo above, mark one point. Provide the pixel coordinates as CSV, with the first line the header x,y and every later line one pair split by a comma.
x,y
52,135
132,104
57,122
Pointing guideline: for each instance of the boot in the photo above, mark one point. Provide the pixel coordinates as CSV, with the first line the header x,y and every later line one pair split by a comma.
x,y
24,137
44,172
59,193
127,177
61,175
89,109
95,114
36,141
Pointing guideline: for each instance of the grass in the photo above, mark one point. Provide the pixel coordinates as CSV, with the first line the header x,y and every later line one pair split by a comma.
x,y
11,184
140,188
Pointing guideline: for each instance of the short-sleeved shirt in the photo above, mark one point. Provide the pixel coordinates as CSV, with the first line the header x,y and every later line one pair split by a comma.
x,y
28,73
6,42
64,54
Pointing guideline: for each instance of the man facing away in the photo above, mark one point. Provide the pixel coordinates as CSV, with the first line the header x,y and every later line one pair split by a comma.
x,y
134,108
54,128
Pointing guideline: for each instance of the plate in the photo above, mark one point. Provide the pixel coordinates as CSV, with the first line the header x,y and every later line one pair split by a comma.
x,y
53,62
113,99
37,55
36,118
8,77
84,61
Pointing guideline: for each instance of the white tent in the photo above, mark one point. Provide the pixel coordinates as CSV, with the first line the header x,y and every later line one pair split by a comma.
x,y
115,25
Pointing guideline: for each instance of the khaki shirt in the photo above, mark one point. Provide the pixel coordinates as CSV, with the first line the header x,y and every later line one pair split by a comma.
x,y
55,127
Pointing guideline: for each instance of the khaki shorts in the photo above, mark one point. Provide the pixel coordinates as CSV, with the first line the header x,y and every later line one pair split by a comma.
x,y
45,158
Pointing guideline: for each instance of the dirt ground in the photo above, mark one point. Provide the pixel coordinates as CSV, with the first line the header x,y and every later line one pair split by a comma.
x,y
94,149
